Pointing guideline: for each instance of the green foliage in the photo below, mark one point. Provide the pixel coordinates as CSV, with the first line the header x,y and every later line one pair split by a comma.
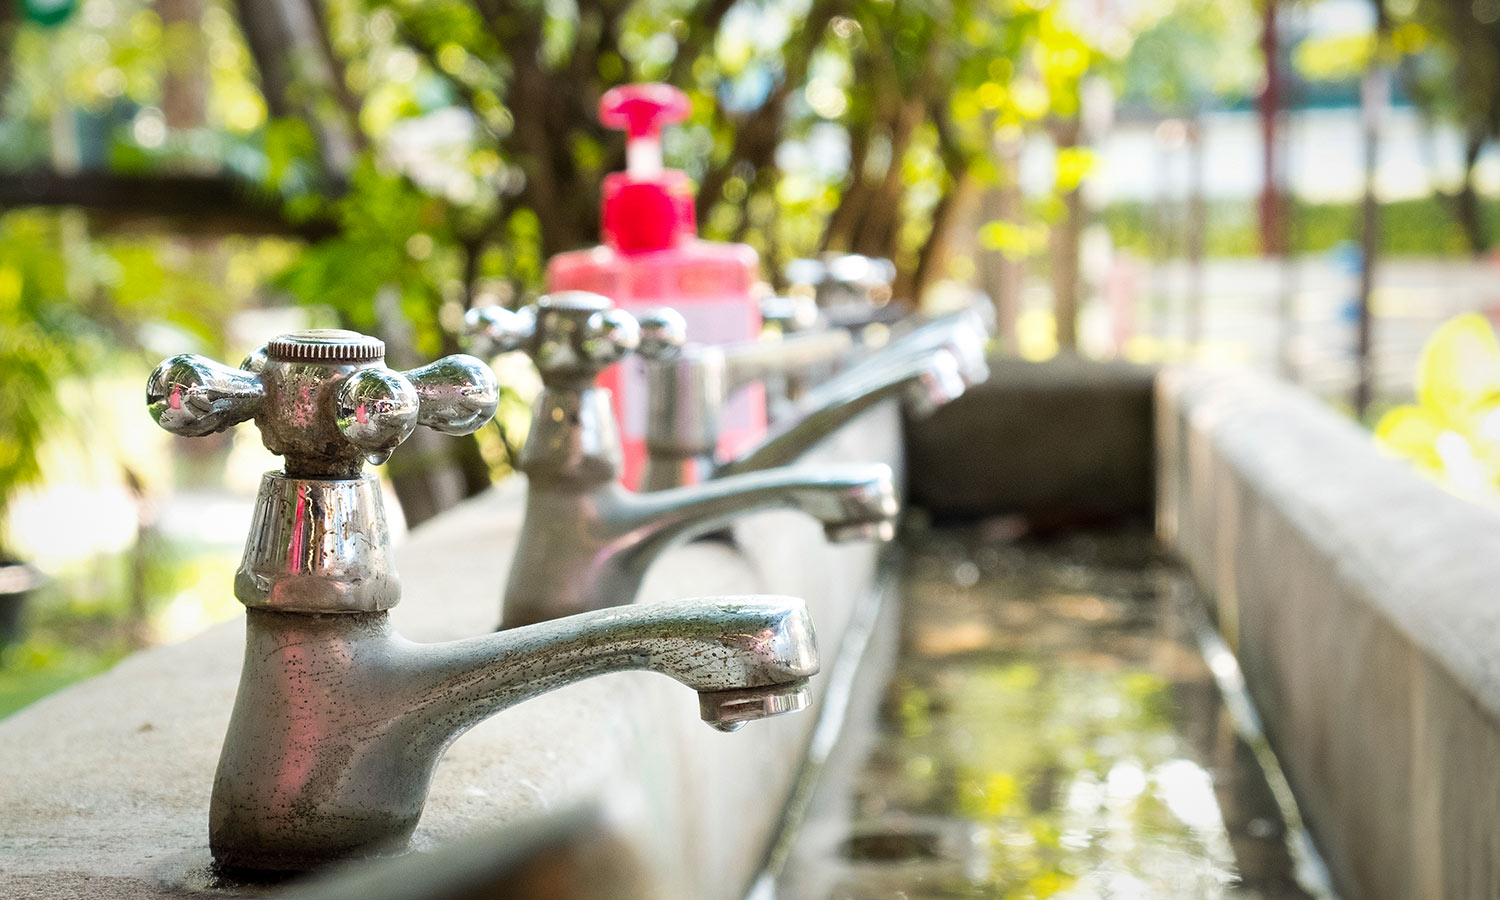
x,y
1422,227
391,237
121,54
39,667
917,89
38,346
71,307
80,623
1195,55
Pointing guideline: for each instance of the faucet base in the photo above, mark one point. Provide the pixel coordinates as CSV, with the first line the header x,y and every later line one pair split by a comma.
x,y
318,545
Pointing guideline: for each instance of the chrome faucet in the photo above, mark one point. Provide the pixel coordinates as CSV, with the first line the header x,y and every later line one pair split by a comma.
x,y
587,540
689,385
339,721
928,367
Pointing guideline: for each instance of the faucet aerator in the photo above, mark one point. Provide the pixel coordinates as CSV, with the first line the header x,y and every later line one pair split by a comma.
x,y
729,710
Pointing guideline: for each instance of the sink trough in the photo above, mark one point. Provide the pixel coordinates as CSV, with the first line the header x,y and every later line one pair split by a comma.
x,y
1135,617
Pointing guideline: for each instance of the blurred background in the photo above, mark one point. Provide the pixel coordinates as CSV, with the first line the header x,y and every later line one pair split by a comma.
x,y
1308,188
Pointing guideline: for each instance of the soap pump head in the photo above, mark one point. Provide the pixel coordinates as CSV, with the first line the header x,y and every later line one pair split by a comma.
x,y
648,206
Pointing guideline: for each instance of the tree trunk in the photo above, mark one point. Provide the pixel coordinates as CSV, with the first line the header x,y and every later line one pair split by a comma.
x,y
1002,277
8,26
545,190
1466,208
953,208
1268,105
183,95
1066,240
1373,97
875,234
838,233
1197,223
284,39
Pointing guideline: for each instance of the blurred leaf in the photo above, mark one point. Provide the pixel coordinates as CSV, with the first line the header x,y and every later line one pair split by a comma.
x,y
1453,431
1412,432
1459,368
1339,57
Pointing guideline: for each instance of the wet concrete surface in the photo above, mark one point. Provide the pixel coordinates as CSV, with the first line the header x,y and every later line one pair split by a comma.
x,y
1046,725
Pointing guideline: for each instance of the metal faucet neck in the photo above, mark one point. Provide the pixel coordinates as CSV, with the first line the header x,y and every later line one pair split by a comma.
x,y
688,385
573,440
318,545
571,336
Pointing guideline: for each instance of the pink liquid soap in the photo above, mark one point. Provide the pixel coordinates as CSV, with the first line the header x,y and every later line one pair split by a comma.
x,y
652,256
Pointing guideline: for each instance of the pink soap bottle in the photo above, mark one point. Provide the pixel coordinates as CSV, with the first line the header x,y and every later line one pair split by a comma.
x,y
652,257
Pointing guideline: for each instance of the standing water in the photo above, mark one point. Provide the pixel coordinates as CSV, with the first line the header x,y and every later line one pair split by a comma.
x,y
1050,727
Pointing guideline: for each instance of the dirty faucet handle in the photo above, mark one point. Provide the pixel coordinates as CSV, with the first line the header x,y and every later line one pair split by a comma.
x,y
323,399
571,336
663,334
193,396
577,329
377,408
492,330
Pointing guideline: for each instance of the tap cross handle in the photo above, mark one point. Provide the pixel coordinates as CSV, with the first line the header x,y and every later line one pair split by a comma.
x,y
323,399
194,396
572,336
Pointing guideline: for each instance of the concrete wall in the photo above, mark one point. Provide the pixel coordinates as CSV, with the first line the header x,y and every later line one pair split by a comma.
x,y
1361,600
1062,443
106,784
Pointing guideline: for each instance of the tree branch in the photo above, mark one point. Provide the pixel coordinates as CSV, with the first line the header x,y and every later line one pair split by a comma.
x,y
758,133
700,34
8,28
280,33
186,203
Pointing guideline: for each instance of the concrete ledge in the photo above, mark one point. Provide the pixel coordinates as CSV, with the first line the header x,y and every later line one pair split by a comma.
x,y
106,785
1361,600
1063,442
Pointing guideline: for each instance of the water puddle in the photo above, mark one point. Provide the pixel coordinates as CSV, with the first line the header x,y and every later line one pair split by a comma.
x,y
1049,729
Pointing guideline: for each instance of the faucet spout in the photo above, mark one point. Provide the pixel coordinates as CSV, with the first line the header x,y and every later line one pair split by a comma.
x,y
340,721
927,381
929,366
588,547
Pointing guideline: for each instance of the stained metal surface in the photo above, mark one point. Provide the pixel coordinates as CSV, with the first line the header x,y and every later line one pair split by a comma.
x,y
318,545
194,396
323,400
339,721
571,335
924,381
689,384
927,367
587,542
